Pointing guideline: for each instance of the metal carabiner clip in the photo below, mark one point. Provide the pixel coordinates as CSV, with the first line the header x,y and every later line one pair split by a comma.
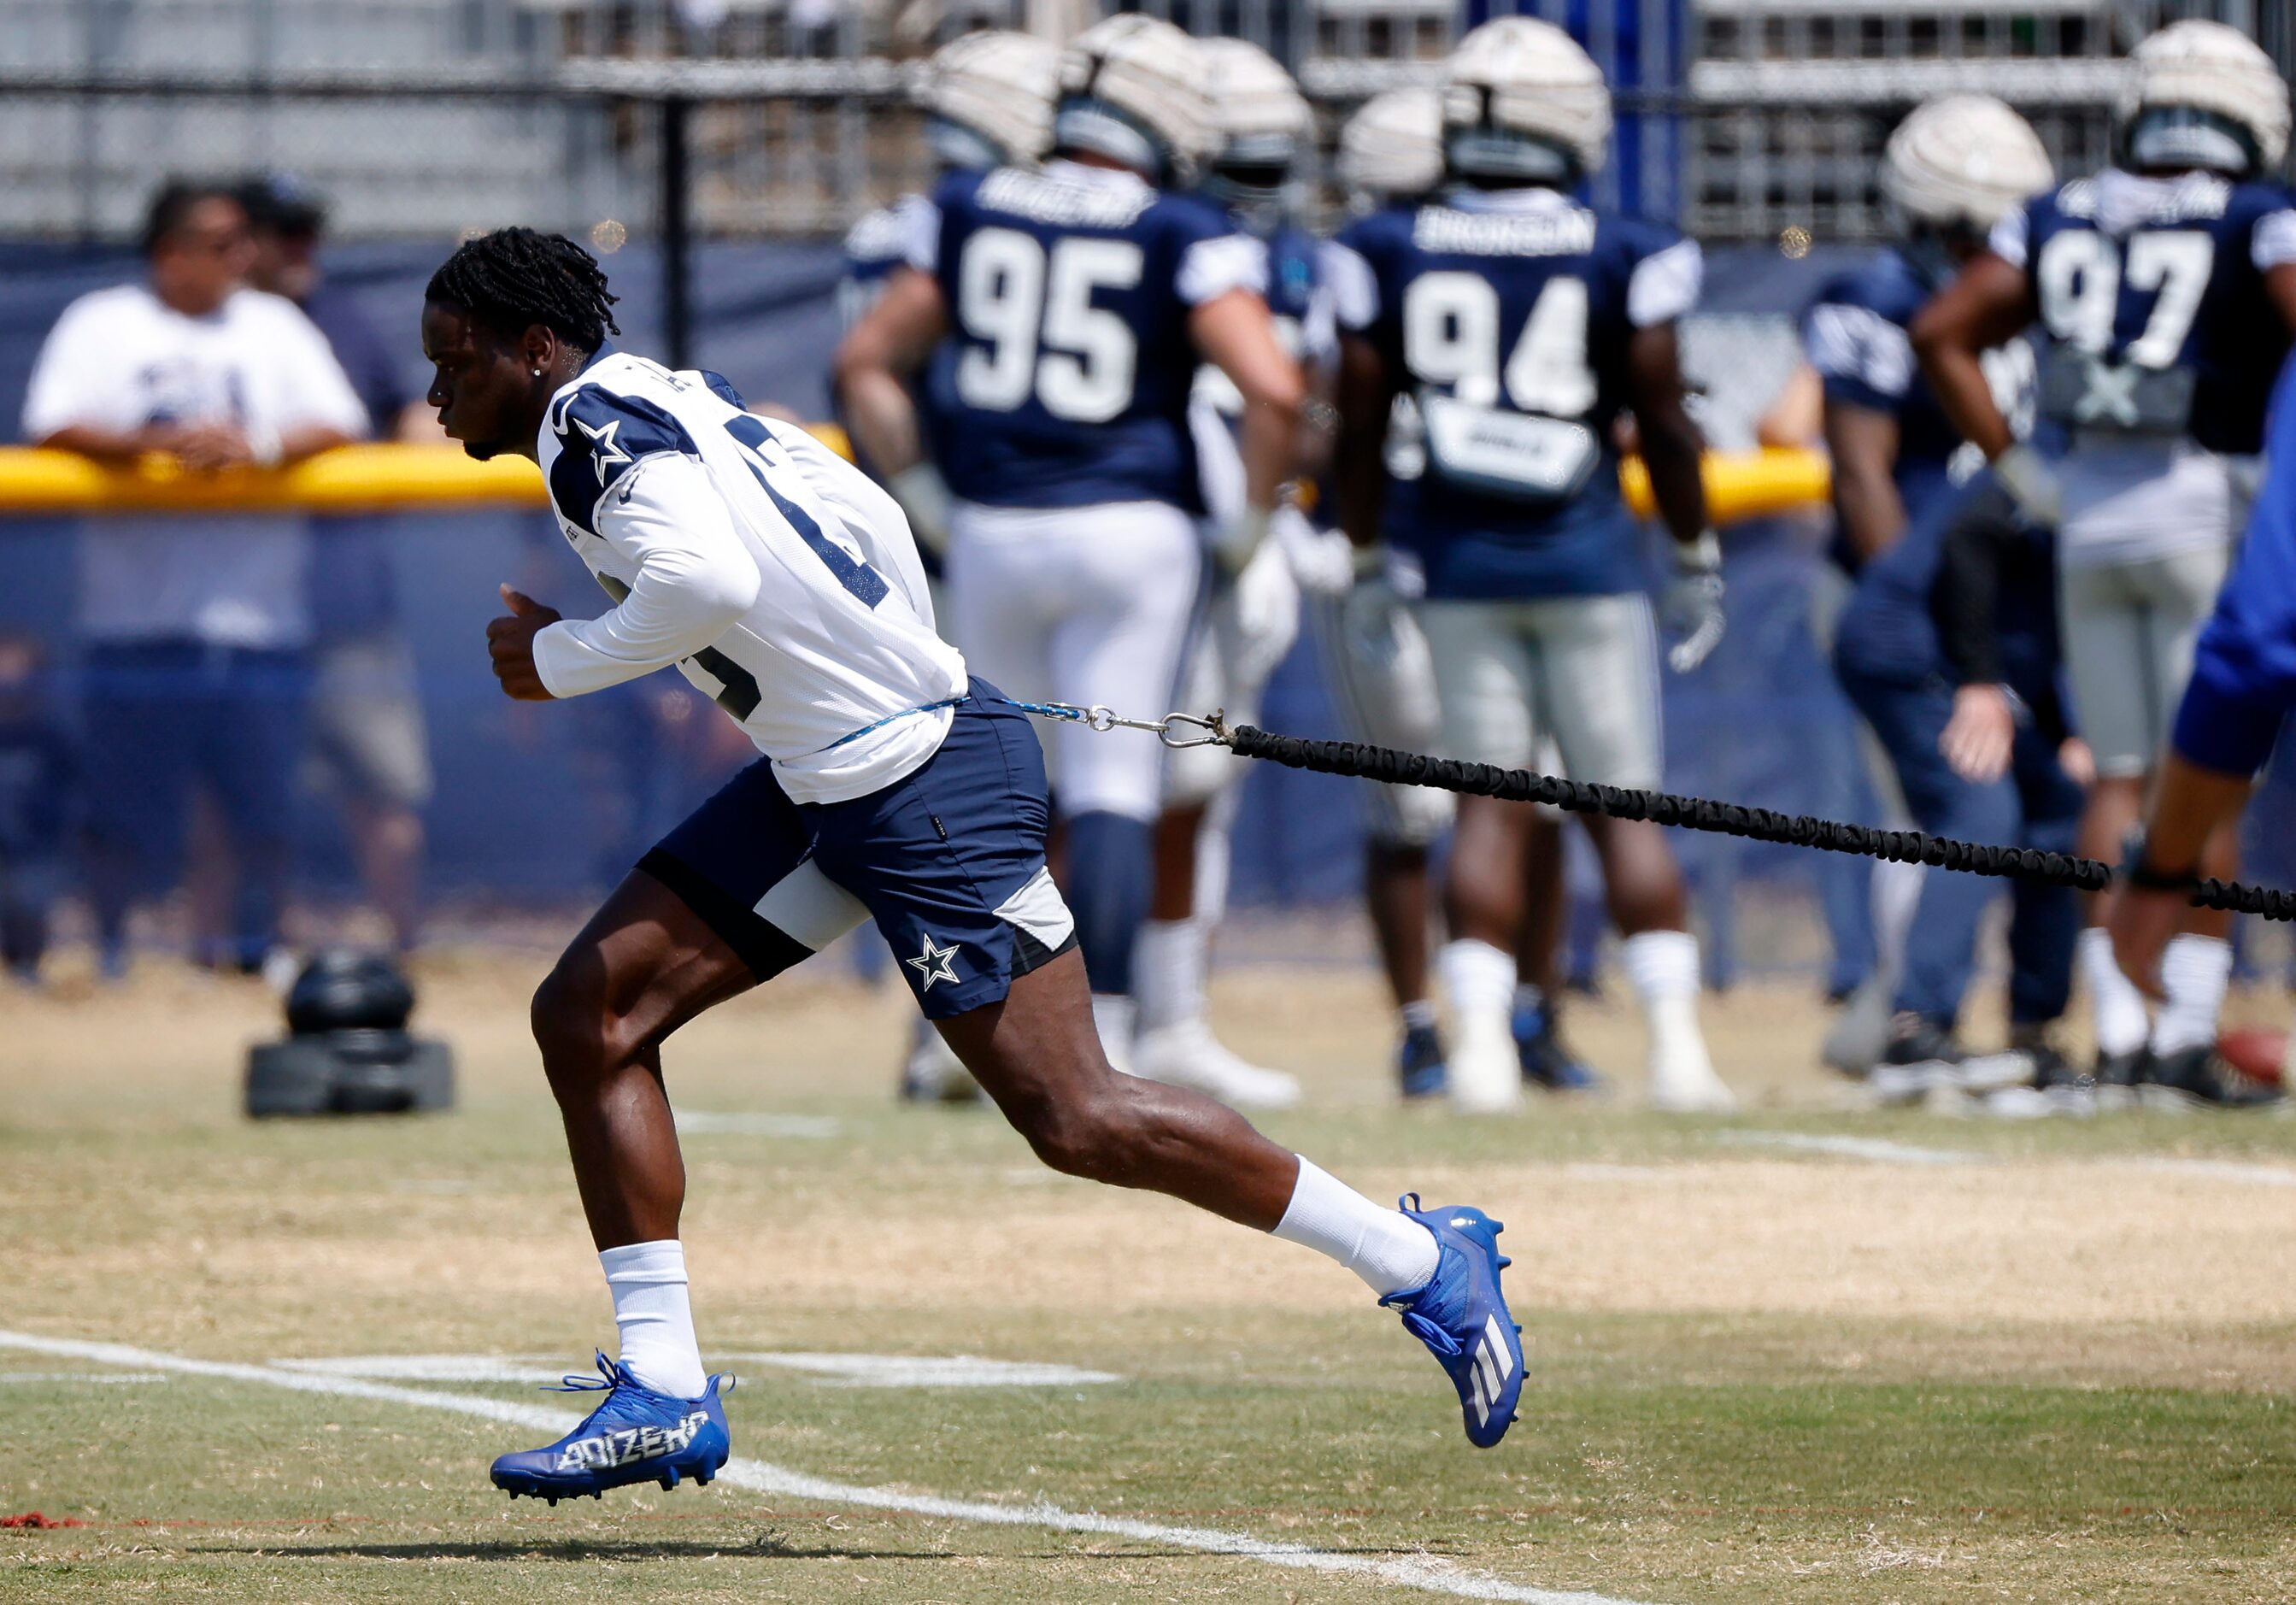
x,y
1214,728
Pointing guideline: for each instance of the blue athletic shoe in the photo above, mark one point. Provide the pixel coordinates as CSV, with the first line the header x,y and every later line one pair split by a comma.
x,y
1461,1317
634,1435
1419,1062
1545,1061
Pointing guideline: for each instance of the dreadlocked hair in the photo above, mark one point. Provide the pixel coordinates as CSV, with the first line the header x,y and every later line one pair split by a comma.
x,y
514,278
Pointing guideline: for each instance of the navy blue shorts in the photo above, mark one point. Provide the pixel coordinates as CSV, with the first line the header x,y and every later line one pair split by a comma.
x,y
948,860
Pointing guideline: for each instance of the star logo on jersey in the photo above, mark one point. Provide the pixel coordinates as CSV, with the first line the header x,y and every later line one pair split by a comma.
x,y
935,963
605,450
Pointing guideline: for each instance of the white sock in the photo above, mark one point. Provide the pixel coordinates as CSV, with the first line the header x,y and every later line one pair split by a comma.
x,y
1418,1015
1529,998
1167,973
1112,1014
648,1282
1479,980
2112,997
1664,970
1389,1250
2195,971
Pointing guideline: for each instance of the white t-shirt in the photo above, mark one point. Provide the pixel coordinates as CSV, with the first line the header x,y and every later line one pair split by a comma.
x,y
775,575
120,358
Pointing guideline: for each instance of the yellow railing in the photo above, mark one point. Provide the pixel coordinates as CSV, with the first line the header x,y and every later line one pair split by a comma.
x,y
367,478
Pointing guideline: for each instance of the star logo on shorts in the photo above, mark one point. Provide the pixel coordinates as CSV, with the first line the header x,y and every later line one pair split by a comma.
x,y
935,963
608,450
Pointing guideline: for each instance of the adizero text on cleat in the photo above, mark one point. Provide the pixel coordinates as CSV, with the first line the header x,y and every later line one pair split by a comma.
x,y
1462,1316
635,1435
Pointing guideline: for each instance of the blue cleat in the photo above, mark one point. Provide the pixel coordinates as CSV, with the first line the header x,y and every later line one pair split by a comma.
x,y
1461,1317
1419,1062
635,1434
1546,1061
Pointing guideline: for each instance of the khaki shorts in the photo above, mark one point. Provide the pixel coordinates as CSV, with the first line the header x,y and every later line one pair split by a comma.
x,y
367,736
1579,671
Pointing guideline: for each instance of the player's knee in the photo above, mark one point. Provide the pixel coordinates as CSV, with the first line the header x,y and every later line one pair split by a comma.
x,y
572,1024
1087,1135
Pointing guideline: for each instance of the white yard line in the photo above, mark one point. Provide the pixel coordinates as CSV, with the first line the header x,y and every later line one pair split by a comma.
x,y
1900,1153
1428,1573
1852,1148
115,1377
706,1123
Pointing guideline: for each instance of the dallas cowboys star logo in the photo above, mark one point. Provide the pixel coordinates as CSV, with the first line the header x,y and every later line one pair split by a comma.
x,y
935,963
607,450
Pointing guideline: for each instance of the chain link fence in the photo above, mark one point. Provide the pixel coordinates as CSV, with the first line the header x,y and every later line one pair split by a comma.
x,y
1744,119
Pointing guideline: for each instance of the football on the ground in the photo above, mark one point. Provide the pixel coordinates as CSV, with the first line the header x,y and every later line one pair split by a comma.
x,y
2255,1052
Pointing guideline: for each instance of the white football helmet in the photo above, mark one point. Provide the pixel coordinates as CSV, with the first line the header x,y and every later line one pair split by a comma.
x,y
1264,124
1961,162
1522,104
1134,90
989,99
2201,94
1392,148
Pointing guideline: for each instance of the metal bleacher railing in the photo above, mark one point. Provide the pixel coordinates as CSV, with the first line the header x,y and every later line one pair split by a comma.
x,y
748,118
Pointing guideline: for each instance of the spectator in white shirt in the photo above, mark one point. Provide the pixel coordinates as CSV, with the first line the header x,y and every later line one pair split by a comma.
x,y
194,626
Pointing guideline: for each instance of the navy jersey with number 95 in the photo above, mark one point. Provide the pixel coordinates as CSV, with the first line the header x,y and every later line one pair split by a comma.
x,y
1506,320
1065,381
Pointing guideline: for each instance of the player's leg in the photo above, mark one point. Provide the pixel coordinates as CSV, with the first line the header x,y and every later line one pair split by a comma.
x,y
729,899
1598,683
1483,671
2108,660
2180,592
1249,626
2045,921
1382,683
950,861
1546,1062
1119,645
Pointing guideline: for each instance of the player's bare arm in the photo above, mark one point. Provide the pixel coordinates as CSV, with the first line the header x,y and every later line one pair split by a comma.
x,y
1233,333
875,361
1672,446
1365,399
1862,443
1989,304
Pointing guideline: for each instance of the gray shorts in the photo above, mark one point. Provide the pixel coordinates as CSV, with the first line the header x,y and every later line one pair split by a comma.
x,y
1383,685
368,741
2129,630
1581,672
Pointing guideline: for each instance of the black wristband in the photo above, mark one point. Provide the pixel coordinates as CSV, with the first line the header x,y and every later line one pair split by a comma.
x,y
2137,869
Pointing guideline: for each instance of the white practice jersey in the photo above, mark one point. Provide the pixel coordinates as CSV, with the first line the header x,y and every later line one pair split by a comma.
x,y
776,577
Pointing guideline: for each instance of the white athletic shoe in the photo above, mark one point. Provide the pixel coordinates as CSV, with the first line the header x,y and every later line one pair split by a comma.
x,y
1188,1055
1682,1082
1486,1068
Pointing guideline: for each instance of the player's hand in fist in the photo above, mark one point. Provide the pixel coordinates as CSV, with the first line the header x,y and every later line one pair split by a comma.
x,y
510,642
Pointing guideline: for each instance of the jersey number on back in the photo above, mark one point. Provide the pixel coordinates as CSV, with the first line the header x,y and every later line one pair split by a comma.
x,y
1451,336
1032,310
2079,277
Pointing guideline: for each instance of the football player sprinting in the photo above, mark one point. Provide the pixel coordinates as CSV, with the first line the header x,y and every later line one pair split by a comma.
x,y
2167,285
987,100
1253,617
1522,322
1077,301
1383,684
779,580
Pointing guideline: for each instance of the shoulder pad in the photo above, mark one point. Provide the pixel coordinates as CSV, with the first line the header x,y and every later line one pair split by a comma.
x,y
601,435
723,389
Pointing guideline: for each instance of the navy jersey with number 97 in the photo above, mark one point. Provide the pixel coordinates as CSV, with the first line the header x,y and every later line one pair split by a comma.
x,y
2153,293
1506,317
1065,381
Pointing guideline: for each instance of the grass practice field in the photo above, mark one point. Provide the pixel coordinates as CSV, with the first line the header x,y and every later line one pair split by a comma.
x,y
1804,1354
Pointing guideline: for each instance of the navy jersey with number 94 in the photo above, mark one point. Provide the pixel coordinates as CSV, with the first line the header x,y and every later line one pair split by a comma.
x,y
1065,382
1507,318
